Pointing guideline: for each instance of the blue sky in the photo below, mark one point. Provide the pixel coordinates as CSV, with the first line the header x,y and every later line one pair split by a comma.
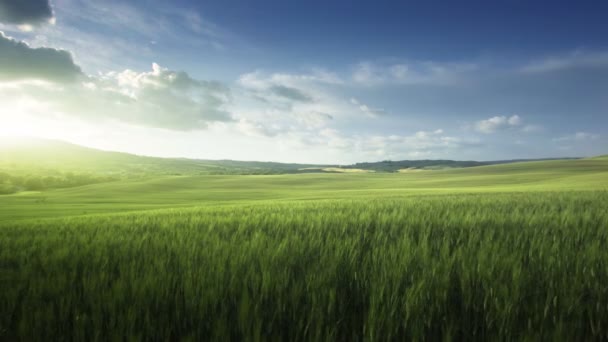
x,y
314,81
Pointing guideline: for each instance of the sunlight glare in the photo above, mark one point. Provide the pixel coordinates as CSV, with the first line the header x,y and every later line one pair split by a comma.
x,y
18,119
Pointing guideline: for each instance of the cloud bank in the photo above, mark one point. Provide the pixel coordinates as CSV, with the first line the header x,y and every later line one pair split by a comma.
x,y
159,98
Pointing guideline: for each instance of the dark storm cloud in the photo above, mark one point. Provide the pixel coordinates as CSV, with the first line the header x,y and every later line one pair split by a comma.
x,y
19,61
25,12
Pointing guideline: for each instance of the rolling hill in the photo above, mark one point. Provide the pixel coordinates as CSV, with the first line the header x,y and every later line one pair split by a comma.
x,y
166,191
52,154
39,164
48,155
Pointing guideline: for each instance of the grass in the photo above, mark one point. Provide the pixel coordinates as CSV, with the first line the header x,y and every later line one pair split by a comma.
x,y
505,252
411,169
341,170
191,191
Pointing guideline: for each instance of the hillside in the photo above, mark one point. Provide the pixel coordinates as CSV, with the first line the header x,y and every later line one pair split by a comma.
x,y
52,154
38,164
214,190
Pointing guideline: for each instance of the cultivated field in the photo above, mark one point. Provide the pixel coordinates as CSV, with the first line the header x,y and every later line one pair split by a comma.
x,y
502,252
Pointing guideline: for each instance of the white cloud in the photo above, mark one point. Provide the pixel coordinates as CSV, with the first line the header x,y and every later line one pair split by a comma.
x,y
366,73
371,112
532,128
427,144
421,144
251,128
409,73
294,102
578,137
159,98
514,120
313,119
497,123
283,88
399,71
575,59
261,81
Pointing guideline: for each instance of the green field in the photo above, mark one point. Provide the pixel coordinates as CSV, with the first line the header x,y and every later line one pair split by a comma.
x,y
501,252
157,192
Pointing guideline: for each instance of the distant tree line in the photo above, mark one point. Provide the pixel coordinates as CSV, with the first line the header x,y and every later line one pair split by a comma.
x,y
393,166
13,183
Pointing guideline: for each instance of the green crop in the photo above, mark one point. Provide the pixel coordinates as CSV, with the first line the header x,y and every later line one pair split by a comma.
x,y
509,252
508,266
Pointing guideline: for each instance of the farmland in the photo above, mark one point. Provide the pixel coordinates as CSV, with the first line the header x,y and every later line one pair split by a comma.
x,y
512,251
158,192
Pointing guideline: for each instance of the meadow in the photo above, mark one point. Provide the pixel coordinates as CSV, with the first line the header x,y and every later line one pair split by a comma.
x,y
501,252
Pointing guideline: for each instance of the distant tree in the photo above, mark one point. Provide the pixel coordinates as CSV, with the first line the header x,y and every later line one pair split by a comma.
x,y
17,180
4,177
34,183
52,182
6,188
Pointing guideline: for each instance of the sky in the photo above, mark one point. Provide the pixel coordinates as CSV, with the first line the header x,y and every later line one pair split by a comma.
x,y
309,81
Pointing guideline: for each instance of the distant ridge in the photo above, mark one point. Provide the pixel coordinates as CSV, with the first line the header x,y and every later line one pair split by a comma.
x,y
435,164
55,154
